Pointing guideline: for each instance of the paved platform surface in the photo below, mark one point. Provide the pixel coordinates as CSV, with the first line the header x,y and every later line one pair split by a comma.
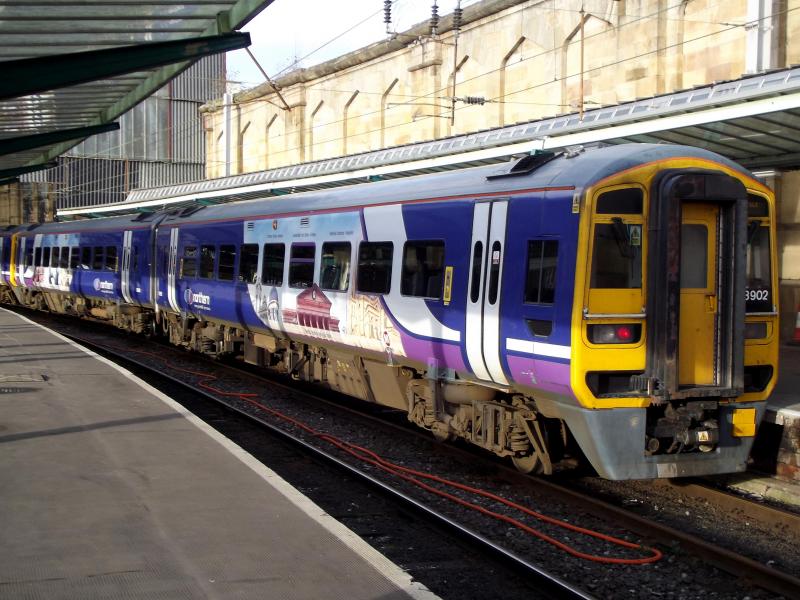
x,y
110,490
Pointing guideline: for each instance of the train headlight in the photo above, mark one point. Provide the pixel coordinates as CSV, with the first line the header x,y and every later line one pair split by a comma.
x,y
627,333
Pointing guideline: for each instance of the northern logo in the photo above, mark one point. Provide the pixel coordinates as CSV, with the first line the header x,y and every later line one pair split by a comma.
x,y
102,286
200,298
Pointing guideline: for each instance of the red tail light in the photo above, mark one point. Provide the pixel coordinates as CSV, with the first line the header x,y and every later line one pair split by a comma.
x,y
615,334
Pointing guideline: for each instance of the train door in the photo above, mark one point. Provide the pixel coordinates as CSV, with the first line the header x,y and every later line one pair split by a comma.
x,y
696,286
125,279
483,293
698,295
172,264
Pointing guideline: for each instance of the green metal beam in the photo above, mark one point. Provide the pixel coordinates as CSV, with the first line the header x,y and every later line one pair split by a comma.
x,y
238,15
28,142
32,75
11,173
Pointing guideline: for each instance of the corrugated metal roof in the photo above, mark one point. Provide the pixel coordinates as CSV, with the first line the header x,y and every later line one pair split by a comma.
x,y
31,29
754,120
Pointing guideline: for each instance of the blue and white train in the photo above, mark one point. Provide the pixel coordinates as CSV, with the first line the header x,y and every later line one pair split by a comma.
x,y
614,304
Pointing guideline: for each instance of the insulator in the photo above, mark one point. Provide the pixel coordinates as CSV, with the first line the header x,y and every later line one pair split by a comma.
x,y
387,12
458,17
434,19
475,100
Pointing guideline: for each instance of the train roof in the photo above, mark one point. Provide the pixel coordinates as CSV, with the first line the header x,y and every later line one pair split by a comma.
x,y
576,171
568,170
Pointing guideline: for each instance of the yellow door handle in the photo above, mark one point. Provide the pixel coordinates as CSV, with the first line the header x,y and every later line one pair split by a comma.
x,y
711,303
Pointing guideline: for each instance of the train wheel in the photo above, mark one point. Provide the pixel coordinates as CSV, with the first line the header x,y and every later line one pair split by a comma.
x,y
441,433
528,464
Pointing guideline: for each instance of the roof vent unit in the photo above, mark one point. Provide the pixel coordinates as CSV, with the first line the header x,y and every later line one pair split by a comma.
x,y
525,165
190,210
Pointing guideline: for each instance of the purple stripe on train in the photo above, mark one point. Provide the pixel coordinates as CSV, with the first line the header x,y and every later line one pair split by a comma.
x,y
544,374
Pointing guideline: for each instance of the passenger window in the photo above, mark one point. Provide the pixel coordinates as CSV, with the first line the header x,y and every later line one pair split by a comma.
x,y
301,265
423,269
617,257
272,268
74,257
335,266
54,257
248,263
227,262
97,258
189,262
86,258
540,281
37,257
63,261
111,258
29,256
46,257
207,258
375,267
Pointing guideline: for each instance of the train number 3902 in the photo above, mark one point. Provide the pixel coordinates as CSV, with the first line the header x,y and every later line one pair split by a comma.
x,y
755,295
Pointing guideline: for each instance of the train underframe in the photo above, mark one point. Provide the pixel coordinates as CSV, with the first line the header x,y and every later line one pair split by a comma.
x,y
505,424
534,435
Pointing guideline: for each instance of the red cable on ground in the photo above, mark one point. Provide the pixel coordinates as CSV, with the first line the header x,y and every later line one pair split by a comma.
x,y
413,477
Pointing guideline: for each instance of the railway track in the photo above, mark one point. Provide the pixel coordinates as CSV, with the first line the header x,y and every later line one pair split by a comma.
x,y
679,542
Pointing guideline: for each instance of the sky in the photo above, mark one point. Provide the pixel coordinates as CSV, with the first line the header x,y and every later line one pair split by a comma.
x,y
313,31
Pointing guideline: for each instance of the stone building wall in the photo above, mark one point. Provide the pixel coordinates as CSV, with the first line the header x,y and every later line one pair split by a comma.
x,y
523,57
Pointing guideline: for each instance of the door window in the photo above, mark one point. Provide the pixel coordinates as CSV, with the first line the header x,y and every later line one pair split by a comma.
x,y
758,296
694,256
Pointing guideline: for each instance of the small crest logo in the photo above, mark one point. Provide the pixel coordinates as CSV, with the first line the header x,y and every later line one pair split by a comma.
x,y
275,224
187,295
96,284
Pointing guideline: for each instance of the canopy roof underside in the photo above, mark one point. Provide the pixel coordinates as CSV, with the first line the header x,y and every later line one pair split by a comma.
x,y
70,67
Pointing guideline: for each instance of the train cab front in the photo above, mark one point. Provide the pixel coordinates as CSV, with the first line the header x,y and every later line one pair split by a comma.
x,y
678,324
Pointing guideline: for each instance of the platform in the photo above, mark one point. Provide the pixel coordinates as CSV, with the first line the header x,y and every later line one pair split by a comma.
x,y
111,490
779,438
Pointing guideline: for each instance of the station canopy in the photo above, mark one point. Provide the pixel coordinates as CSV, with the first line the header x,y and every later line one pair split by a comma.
x,y
70,67
754,120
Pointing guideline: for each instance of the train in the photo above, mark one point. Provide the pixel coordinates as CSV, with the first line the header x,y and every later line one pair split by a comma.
x,y
611,306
